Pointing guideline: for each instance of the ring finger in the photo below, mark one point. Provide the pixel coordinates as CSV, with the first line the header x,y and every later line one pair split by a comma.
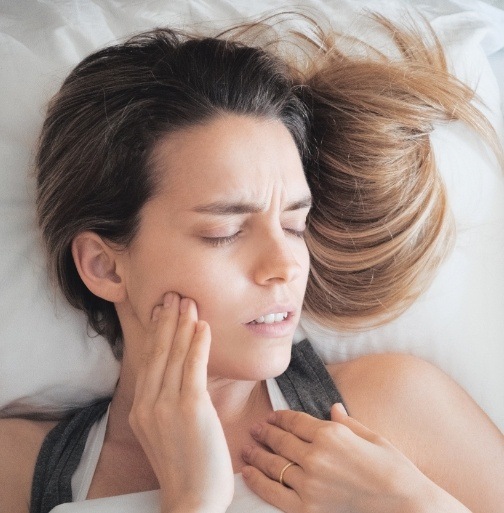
x,y
276,467
180,347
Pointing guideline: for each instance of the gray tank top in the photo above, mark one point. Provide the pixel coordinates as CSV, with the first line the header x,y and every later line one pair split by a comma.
x,y
306,386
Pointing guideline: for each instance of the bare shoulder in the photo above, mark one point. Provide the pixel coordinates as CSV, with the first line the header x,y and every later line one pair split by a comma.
x,y
389,392
373,385
20,442
430,418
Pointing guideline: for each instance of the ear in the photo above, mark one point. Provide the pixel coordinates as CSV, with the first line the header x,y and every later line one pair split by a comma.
x,y
98,266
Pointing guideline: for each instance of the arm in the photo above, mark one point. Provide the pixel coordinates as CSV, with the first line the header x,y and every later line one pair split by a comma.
x,y
428,417
345,465
20,442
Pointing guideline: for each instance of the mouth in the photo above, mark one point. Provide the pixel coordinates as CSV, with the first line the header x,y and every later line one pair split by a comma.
x,y
278,322
270,318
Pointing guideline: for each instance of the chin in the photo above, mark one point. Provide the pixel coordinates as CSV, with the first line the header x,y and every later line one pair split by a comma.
x,y
269,362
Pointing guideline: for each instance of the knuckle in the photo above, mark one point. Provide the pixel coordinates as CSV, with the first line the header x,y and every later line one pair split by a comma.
x,y
296,422
311,463
328,433
161,412
133,420
271,468
139,418
193,362
177,353
254,455
282,441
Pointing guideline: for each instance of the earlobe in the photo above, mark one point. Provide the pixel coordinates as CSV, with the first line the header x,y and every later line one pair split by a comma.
x,y
97,265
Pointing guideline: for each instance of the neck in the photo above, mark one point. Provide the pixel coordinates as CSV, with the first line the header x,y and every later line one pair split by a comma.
x,y
238,404
236,400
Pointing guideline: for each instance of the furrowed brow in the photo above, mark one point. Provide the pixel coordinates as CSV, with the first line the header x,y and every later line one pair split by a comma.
x,y
222,208
305,202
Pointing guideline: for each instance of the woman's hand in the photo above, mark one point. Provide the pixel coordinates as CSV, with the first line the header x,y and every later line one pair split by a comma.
x,y
174,418
338,466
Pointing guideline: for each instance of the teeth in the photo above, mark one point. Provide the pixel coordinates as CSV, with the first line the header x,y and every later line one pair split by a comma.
x,y
271,318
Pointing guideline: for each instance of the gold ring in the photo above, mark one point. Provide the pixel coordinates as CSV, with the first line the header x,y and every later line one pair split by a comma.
x,y
282,472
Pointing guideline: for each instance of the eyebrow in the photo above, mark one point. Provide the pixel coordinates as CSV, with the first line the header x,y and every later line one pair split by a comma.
x,y
223,208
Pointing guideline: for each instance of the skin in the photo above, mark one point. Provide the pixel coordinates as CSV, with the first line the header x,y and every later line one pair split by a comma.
x,y
191,390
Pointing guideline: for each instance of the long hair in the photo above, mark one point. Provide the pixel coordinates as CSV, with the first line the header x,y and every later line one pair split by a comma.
x,y
380,224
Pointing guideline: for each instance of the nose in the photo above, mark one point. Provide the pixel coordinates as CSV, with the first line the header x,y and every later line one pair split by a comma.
x,y
276,261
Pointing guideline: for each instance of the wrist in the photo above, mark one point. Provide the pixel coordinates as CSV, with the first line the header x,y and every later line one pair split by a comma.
x,y
434,499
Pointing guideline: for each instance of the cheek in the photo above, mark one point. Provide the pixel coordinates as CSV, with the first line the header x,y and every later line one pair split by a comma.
x,y
215,286
302,255
189,273
153,269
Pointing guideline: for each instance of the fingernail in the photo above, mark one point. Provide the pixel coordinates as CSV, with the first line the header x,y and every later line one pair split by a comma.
x,y
247,449
256,429
341,408
168,299
184,305
155,313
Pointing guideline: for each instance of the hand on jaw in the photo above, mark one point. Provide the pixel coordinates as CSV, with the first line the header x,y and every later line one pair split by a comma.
x,y
173,416
301,464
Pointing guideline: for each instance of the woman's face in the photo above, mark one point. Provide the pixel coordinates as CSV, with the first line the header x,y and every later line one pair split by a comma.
x,y
225,229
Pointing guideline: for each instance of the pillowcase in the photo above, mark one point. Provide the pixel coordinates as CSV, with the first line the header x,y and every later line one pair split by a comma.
x,y
49,361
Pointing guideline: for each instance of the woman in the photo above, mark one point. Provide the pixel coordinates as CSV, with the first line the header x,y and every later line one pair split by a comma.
x,y
175,181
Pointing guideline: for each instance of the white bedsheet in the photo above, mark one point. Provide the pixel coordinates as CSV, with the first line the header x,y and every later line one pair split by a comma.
x,y
244,501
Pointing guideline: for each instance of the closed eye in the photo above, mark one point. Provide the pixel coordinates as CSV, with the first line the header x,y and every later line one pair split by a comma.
x,y
297,233
221,241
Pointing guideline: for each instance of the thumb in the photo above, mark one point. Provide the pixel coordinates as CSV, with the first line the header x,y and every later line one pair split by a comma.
x,y
338,412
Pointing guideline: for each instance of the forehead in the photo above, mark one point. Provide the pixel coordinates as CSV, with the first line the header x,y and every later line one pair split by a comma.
x,y
230,156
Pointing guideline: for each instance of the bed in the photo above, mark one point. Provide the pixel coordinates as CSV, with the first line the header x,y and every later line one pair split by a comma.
x,y
49,361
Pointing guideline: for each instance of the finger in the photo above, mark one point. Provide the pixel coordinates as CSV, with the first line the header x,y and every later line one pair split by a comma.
x,y
151,374
194,379
273,466
339,414
298,423
271,491
280,441
180,347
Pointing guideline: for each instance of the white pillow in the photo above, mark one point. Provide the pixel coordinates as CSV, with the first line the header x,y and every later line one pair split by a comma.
x,y
47,359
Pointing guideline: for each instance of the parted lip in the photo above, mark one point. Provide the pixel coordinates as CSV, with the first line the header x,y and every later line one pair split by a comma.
x,y
290,308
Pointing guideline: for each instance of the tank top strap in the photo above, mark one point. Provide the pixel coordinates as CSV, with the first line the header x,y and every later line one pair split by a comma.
x,y
59,457
306,384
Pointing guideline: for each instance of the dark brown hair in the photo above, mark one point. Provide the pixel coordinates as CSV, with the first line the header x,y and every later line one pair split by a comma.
x,y
93,169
